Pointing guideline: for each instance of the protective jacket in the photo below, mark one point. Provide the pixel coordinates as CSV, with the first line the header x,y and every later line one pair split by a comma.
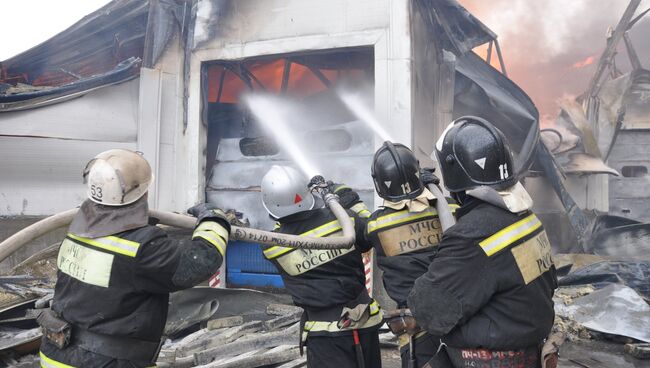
x,y
319,279
118,286
405,243
491,283
325,283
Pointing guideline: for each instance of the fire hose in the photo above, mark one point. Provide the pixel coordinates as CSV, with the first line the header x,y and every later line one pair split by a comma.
x,y
447,219
62,219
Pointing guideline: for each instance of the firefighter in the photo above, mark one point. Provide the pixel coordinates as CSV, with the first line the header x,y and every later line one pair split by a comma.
x,y
405,233
487,294
340,321
116,270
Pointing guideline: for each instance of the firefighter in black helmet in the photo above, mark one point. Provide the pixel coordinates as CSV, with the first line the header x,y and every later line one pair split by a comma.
x,y
487,294
405,233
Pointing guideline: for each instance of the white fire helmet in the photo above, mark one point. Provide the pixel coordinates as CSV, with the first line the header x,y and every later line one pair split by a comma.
x,y
285,192
117,177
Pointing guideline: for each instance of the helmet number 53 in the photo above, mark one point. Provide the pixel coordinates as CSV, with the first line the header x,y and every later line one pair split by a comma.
x,y
96,191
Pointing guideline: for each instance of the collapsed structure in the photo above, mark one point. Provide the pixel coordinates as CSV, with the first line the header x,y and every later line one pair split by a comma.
x,y
170,77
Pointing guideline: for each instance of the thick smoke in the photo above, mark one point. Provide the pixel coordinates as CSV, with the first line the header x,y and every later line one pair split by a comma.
x,y
551,48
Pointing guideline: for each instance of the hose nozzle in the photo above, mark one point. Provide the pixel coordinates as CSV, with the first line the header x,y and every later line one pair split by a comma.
x,y
318,185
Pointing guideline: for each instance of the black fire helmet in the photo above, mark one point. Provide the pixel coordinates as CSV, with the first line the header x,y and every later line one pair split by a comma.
x,y
472,152
396,173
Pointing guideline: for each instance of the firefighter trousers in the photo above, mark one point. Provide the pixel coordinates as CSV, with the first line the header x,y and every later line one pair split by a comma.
x,y
339,351
76,357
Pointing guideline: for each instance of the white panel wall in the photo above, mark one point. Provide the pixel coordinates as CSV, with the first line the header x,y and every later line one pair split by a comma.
x,y
44,150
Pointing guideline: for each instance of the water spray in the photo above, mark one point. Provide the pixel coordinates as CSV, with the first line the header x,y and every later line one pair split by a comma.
x,y
272,114
361,111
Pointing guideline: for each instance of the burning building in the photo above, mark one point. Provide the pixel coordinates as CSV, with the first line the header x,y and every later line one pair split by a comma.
x,y
171,78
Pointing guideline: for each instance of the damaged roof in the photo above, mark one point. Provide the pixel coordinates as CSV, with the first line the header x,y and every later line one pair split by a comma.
x,y
110,45
106,47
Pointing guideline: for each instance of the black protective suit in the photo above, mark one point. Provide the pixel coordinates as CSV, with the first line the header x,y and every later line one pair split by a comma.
x,y
114,291
488,292
405,243
324,283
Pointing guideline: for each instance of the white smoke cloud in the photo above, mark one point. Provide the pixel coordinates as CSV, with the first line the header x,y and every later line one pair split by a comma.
x,y
551,47
554,27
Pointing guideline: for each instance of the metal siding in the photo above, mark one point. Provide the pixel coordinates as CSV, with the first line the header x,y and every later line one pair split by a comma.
x,y
41,176
106,114
629,196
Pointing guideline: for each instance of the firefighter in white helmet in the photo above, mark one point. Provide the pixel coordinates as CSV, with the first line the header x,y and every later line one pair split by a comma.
x,y
341,321
116,270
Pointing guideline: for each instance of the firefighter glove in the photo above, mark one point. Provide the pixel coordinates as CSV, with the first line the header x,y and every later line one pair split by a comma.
x,y
208,211
428,177
347,196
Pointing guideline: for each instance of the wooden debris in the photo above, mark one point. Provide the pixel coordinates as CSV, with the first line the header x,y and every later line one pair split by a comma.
x,y
287,336
283,320
220,337
229,342
639,351
281,309
279,354
225,322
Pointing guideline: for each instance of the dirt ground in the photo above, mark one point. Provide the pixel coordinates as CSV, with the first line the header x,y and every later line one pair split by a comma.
x,y
390,358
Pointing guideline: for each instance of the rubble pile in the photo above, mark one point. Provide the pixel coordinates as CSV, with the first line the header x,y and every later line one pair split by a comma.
x,y
235,342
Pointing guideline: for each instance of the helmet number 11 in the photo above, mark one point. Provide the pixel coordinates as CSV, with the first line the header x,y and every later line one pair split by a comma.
x,y
503,170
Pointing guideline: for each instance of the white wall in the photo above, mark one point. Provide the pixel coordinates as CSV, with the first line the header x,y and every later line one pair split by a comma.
x,y
247,28
44,150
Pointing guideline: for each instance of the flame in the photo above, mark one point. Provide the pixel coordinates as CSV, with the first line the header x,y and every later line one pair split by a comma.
x,y
581,64
302,81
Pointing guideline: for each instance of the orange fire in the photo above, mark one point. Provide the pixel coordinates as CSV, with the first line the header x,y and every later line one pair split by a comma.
x,y
581,64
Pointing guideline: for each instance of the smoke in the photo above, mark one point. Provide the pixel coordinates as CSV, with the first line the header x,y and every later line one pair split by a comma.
x,y
551,48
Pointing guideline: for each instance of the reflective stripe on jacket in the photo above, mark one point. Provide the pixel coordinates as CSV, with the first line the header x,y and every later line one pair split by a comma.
x,y
405,243
318,279
495,273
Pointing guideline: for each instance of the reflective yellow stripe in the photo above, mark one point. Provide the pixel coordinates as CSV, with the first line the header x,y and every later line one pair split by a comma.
x,y
276,251
212,238
399,217
213,226
453,207
276,226
51,363
361,210
324,230
341,187
321,231
510,234
318,326
110,243
374,308
403,339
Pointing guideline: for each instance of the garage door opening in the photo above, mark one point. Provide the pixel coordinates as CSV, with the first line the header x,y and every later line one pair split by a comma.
x,y
240,151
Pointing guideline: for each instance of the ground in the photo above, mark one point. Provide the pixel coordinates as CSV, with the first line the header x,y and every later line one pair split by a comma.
x,y
390,358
